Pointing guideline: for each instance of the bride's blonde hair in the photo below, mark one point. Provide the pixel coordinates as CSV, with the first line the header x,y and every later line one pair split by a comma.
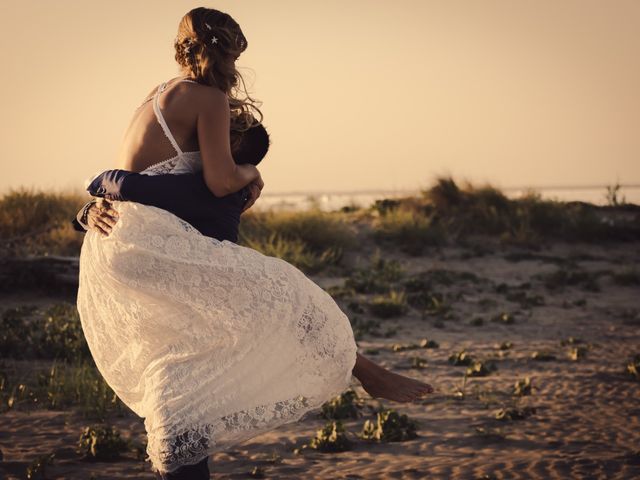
x,y
207,45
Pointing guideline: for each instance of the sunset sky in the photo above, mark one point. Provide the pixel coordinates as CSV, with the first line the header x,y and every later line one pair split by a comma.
x,y
356,94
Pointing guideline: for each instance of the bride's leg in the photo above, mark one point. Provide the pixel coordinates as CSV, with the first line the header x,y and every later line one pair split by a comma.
x,y
380,382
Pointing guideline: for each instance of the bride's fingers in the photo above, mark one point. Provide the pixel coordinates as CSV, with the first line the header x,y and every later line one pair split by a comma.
x,y
104,226
108,219
100,230
112,212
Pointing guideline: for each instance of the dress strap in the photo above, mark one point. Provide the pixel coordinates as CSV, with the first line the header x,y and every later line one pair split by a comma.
x,y
163,124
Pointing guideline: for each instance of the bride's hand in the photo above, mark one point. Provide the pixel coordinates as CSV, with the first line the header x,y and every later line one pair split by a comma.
x,y
102,217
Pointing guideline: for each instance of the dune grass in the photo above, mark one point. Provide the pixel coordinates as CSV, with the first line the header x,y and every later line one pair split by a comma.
x,y
310,240
447,213
38,223
407,229
524,220
45,363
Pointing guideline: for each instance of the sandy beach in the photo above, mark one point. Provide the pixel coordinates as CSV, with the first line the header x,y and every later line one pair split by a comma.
x,y
582,415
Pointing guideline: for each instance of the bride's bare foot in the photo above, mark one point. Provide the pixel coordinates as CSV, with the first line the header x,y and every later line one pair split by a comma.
x,y
380,382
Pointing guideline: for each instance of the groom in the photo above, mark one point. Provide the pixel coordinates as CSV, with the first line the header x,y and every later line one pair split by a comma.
x,y
184,195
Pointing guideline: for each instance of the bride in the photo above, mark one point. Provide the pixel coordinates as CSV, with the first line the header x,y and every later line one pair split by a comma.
x,y
212,343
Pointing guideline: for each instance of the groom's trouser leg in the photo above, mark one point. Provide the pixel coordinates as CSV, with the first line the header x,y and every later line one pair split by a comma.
x,y
199,471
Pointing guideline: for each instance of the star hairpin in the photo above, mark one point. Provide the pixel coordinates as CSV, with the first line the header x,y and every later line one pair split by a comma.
x,y
214,40
187,47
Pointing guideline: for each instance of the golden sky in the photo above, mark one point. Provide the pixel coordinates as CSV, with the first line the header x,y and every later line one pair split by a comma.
x,y
357,94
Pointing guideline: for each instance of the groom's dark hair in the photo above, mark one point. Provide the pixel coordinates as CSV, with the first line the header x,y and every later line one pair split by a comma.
x,y
254,144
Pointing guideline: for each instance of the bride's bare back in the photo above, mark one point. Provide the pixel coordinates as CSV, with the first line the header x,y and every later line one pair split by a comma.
x,y
145,143
199,118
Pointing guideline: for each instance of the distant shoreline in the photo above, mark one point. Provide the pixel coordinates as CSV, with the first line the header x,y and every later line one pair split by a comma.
x,y
330,200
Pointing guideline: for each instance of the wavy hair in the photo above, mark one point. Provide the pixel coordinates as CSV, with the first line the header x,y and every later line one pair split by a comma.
x,y
207,45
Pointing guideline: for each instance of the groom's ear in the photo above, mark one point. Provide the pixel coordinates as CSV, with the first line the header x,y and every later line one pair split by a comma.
x,y
254,145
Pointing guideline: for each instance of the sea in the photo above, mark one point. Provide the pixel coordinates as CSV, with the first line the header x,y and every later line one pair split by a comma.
x,y
330,201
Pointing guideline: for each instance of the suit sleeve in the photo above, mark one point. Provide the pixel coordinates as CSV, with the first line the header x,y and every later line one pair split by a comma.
x,y
79,221
185,195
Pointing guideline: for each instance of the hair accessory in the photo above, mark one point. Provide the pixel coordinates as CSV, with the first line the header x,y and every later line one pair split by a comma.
x,y
187,47
214,40
208,26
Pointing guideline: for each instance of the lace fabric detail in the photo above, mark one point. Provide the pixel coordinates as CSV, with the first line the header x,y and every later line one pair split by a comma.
x,y
211,342
187,162
183,162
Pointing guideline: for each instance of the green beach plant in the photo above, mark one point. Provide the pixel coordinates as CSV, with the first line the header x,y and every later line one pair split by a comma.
x,y
543,356
633,367
37,469
407,229
393,304
577,353
479,369
345,405
101,442
331,438
522,387
461,358
514,413
389,426
378,277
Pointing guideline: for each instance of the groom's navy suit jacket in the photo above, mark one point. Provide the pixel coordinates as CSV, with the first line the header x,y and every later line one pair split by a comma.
x,y
186,195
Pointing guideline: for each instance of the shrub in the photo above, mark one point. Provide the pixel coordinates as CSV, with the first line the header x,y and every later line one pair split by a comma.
x,y
389,426
378,278
509,414
316,231
577,353
418,362
426,343
393,304
543,356
570,277
101,442
294,251
37,468
633,367
345,405
362,326
331,438
15,332
479,369
522,387
55,333
410,231
461,358
504,317
62,334
526,220
38,223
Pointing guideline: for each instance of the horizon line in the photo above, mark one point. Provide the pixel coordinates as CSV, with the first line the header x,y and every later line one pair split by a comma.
x,y
412,190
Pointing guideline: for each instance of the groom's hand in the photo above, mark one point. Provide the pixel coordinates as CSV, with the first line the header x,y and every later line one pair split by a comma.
x,y
254,193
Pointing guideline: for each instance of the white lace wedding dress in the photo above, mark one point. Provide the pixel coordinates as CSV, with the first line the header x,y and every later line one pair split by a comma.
x,y
211,342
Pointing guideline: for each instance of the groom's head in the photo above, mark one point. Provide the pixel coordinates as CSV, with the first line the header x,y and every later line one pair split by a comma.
x,y
253,146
